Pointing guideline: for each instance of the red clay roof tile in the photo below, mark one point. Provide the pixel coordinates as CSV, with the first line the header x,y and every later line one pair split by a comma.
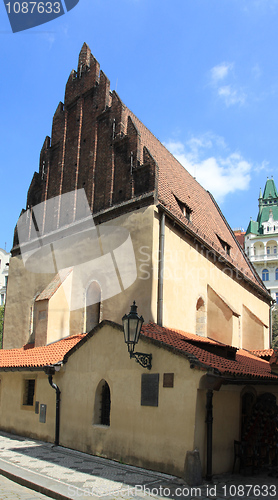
x,y
245,364
206,221
38,356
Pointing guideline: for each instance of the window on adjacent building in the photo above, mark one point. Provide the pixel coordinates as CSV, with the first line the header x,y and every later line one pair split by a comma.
x,y
275,250
276,297
6,280
268,250
265,275
102,404
29,391
276,273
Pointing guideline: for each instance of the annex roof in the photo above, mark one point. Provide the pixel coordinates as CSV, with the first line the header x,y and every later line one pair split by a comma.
x,y
245,365
201,351
38,357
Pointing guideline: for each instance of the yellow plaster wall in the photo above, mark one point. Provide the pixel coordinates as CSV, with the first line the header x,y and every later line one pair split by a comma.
x,y
154,437
219,318
187,274
25,285
139,226
41,309
255,330
59,313
19,419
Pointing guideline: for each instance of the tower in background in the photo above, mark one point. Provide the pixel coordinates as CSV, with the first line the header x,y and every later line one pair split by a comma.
x,y
261,238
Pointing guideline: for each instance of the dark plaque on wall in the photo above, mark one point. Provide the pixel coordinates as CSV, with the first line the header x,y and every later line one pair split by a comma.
x,y
149,389
168,380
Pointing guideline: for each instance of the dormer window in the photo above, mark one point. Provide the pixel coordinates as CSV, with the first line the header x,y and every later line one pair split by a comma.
x,y
186,211
225,245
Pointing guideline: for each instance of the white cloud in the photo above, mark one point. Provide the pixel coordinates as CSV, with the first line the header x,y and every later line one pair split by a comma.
x,y
221,173
220,72
220,77
231,95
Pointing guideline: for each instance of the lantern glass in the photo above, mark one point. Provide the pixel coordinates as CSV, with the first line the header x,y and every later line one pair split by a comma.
x,y
132,324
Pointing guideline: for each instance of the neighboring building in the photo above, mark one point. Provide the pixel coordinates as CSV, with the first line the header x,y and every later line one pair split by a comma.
x,y
261,239
240,234
4,271
156,237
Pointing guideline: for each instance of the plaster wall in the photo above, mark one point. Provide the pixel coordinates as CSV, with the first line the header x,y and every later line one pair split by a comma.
x,y
188,272
152,437
23,287
58,312
127,280
19,419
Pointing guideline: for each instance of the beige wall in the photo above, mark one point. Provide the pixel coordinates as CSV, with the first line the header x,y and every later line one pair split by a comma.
x,y
151,437
255,331
25,285
135,433
219,318
19,419
188,273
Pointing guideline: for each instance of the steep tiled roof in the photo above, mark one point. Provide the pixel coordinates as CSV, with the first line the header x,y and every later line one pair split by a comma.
x,y
38,356
206,220
245,364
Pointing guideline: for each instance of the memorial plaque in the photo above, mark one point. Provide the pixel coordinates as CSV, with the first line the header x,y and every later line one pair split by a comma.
x,y
168,380
149,389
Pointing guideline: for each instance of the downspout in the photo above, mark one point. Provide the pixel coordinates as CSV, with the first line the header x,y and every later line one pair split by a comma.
x,y
58,399
209,420
161,270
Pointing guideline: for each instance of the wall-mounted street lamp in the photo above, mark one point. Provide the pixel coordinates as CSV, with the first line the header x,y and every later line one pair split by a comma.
x,y
132,324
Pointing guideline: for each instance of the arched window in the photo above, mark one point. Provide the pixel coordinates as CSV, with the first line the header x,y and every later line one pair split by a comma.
x,y
265,275
276,273
102,404
92,310
200,317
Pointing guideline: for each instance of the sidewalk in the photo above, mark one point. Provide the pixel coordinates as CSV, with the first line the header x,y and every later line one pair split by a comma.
x,y
65,474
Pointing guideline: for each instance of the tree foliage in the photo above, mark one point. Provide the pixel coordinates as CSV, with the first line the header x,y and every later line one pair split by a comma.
x,y
275,327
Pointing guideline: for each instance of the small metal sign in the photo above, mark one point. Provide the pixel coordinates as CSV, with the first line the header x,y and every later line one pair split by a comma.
x,y
42,413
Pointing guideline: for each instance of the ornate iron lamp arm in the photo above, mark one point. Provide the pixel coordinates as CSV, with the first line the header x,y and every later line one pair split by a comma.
x,y
143,359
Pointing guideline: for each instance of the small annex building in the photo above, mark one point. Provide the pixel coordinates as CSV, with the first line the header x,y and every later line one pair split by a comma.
x,y
112,217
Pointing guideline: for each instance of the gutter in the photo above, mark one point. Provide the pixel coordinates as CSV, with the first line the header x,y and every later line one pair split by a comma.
x,y
50,370
161,270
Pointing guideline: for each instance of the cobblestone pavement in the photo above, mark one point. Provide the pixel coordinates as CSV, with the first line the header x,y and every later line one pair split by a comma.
x,y
65,474
9,490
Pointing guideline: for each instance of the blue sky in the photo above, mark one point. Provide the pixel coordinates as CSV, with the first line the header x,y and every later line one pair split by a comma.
x,y
201,75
